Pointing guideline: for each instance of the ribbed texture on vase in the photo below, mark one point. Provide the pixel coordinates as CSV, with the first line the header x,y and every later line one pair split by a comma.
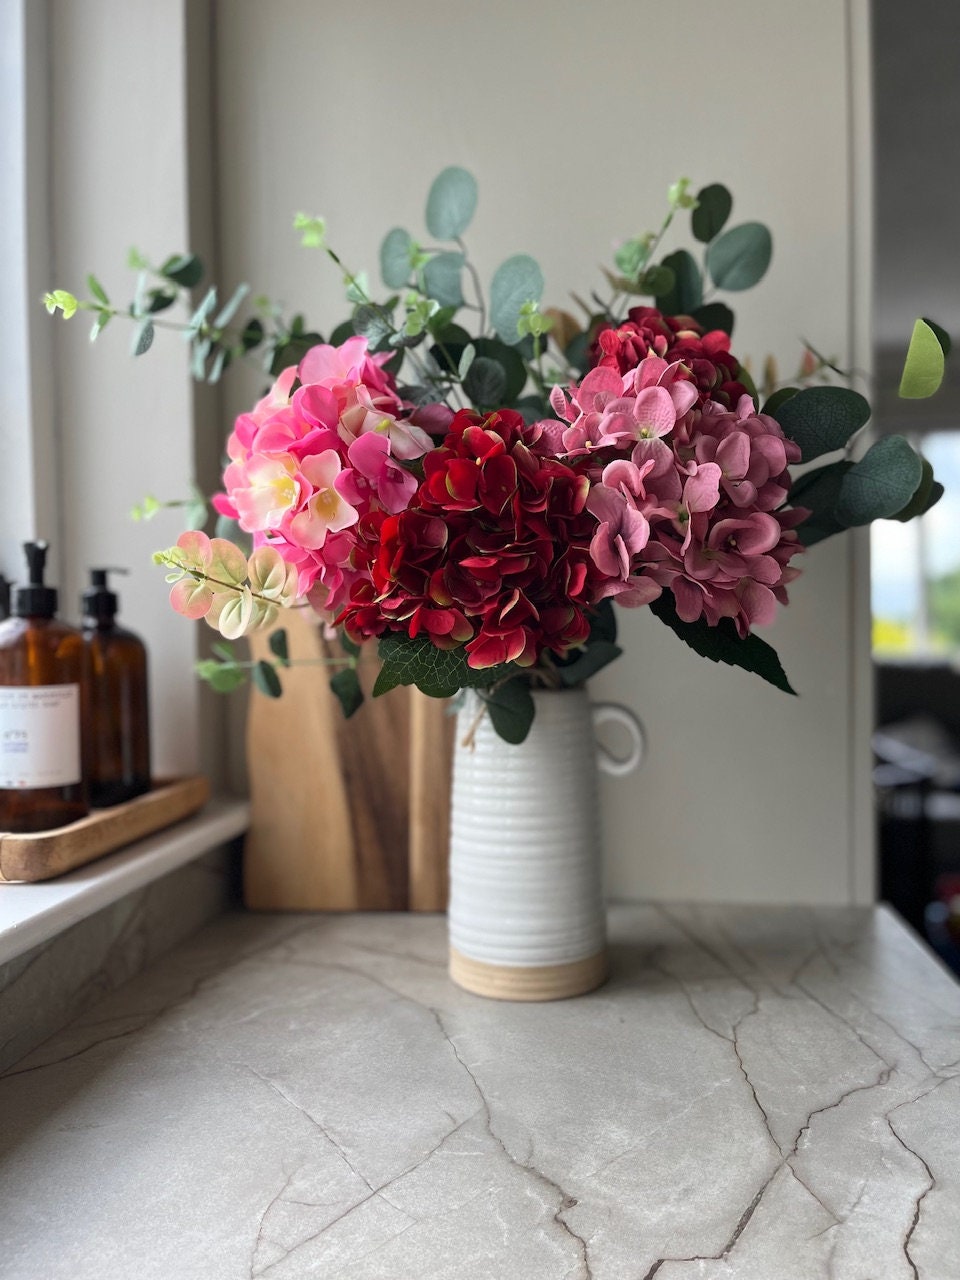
x,y
525,878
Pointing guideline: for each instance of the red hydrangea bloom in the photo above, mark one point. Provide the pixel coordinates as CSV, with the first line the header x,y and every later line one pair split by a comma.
x,y
647,332
493,551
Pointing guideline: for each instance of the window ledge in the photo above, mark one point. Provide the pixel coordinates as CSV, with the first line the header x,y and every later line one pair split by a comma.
x,y
33,913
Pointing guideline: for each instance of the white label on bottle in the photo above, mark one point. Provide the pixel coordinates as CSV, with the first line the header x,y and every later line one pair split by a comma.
x,y
39,736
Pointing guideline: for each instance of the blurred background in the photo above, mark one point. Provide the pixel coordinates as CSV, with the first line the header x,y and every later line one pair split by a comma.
x,y
206,124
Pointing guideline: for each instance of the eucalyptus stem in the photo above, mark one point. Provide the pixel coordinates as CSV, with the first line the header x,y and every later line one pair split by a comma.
x,y
481,305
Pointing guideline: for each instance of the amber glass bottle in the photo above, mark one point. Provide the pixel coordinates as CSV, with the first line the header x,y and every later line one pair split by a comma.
x,y
42,697
119,766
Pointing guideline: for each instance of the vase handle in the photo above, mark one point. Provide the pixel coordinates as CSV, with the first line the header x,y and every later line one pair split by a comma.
x,y
619,766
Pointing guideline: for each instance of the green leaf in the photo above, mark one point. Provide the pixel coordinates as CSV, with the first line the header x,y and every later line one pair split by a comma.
x,y
777,399
101,322
738,258
200,316
881,483
345,685
485,383
819,490
687,292
509,360
714,315
511,709
278,645
341,333
230,310
97,289
451,203
439,673
603,625
266,679
183,268
441,279
224,677
822,419
218,365
592,658
395,254
928,494
942,336
223,649
657,280
159,300
516,281
722,644
713,209
372,323
349,647
143,338
252,334
924,366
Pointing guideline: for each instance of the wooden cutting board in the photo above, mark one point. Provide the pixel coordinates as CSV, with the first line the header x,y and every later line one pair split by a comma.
x,y
346,815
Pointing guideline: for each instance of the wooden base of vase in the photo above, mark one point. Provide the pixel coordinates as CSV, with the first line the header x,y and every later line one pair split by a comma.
x,y
529,982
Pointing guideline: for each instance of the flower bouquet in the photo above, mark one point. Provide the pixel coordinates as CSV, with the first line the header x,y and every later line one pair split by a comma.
x,y
472,483
475,500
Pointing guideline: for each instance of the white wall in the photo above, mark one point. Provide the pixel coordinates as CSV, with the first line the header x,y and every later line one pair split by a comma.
x,y
118,175
575,118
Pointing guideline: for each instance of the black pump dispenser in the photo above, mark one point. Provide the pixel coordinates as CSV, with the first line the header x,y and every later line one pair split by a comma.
x,y
98,601
35,600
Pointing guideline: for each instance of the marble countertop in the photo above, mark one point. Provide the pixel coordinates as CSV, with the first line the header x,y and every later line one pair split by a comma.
x,y
755,1093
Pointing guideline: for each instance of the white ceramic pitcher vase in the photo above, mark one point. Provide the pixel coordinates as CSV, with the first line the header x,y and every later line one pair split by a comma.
x,y
527,917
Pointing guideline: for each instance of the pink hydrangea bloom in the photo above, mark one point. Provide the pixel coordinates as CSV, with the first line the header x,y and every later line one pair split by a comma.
x,y
687,493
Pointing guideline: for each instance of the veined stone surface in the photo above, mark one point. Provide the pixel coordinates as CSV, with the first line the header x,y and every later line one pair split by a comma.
x,y
768,1094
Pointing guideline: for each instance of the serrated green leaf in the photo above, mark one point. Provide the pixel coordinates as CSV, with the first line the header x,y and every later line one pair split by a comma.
x,y
439,673
687,292
516,281
722,644
441,279
511,709
738,258
923,367
881,483
345,686
349,647
266,679
278,645
451,203
714,204
822,419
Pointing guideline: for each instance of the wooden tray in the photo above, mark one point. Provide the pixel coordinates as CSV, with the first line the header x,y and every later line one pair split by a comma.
x,y
40,855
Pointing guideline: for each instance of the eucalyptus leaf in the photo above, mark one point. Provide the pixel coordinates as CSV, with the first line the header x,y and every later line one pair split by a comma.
x,y
252,334
232,307
143,338
738,258
345,686
485,383
278,645
928,494
881,483
714,315
822,419
687,292
714,204
266,679
451,203
778,398
511,709
924,365
819,491
395,254
183,268
510,361
516,281
591,659
97,289
441,279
